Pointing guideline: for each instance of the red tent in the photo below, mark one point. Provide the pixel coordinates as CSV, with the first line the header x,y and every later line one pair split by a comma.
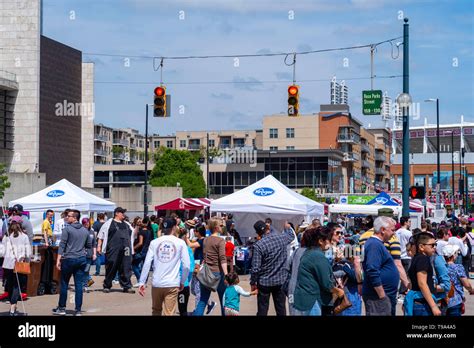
x,y
185,204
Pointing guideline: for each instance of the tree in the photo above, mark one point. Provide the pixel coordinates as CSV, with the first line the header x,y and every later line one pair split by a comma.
x,y
4,183
213,153
117,150
308,193
173,166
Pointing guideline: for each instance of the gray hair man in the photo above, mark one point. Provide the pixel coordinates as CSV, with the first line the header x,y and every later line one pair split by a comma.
x,y
379,289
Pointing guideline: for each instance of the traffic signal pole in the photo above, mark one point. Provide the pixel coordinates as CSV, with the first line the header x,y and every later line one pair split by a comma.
x,y
406,128
145,186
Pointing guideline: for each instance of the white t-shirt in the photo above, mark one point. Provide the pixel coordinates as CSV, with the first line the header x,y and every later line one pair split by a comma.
x,y
440,244
462,246
403,236
167,253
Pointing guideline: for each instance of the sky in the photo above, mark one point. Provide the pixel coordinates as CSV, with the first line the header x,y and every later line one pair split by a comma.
x,y
226,93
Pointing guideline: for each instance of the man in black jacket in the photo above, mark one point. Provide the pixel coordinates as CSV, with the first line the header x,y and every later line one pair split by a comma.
x,y
72,260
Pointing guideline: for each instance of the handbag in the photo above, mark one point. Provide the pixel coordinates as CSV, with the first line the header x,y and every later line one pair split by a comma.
x,y
206,277
22,267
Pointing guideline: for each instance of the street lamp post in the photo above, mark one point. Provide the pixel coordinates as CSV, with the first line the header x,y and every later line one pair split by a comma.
x,y
438,164
404,101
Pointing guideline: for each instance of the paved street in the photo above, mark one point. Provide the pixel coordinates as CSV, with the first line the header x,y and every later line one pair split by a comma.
x,y
117,303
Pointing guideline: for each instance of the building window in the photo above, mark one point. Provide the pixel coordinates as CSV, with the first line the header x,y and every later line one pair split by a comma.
x,y
419,180
182,143
156,144
290,132
169,144
290,148
212,143
273,133
399,183
273,148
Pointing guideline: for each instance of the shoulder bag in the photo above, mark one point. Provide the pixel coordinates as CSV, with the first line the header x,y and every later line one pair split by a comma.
x,y
206,277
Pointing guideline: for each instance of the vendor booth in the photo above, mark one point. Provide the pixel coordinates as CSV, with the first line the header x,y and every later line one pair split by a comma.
x,y
58,197
267,198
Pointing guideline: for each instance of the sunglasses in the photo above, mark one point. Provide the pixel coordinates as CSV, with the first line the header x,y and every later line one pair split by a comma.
x,y
431,244
339,233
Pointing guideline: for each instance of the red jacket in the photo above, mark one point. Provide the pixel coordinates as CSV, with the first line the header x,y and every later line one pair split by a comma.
x,y
229,249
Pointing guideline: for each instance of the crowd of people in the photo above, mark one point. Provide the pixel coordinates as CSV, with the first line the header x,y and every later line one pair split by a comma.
x,y
313,270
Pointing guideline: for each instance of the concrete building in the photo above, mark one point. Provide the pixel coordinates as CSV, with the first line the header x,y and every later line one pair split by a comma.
x,y
423,156
42,94
88,114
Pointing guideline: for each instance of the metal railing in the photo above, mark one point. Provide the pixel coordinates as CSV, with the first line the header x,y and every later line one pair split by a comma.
x,y
365,148
100,137
194,146
344,137
380,157
120,142
366,164
380,171
120,156
100,152
351,156
225,146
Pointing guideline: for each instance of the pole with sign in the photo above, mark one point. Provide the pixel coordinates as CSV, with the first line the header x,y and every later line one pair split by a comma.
x,y
372,102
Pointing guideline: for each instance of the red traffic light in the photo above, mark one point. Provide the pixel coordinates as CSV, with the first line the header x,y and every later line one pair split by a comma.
x,y
414,192
159,91
293,90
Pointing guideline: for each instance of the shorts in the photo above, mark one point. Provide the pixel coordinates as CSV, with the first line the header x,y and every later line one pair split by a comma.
x,y
230,312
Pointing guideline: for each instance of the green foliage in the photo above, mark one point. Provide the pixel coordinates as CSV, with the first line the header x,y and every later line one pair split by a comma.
x,y
308,193
173,166
117,150
4,183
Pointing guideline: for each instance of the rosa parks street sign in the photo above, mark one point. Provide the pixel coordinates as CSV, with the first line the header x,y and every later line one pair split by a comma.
x,y
371,102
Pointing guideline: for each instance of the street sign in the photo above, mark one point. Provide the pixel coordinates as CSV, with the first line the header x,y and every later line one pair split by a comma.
x,y
372,102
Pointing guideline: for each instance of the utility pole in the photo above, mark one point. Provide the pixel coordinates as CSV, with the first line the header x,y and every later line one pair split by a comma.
x,y
406,124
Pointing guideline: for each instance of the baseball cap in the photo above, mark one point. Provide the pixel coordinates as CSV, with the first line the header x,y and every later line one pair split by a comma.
x,y
260,227
385,212
449,250
169,223
119,210
17,207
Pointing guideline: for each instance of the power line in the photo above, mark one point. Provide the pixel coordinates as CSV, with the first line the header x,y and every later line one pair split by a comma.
x,y
239,82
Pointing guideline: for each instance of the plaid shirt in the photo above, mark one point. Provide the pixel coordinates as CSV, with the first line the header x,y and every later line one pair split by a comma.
x,y
269,259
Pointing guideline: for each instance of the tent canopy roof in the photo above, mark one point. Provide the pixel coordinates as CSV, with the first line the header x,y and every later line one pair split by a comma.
x,y
268,196
63,195
184,204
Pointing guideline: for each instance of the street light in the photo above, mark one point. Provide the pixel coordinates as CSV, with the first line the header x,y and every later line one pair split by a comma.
x,y
438,181
404,101
452,163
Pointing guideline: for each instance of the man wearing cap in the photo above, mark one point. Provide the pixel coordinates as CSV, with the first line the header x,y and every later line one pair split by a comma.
x,y
269,272
17,210
116,240
171,266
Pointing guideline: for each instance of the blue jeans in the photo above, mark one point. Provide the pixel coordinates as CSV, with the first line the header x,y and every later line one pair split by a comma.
x,y
315,311
422,310
137,265
206,293
72,267
454,311
97,265
87,269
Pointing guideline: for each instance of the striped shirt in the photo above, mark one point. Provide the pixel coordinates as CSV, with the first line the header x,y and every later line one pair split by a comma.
x,y
393,245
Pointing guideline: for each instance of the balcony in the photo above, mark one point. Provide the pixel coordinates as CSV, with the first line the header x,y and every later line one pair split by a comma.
x,y
380,156
366,164
100,152
100,137
194,147
122,142
348,138
380,171
133,146
351,157
365,148
225,146
119,156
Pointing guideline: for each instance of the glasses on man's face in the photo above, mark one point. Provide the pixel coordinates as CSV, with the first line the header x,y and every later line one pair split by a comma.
x,y
339,233
433,245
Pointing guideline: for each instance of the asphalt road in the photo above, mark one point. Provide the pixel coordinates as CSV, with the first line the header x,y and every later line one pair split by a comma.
x,y
117,303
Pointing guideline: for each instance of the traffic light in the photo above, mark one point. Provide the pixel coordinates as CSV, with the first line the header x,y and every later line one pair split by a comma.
x,y
160,102
293,100
417,192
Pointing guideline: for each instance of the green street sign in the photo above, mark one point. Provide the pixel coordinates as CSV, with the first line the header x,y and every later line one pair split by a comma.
x,y
372,102
359,199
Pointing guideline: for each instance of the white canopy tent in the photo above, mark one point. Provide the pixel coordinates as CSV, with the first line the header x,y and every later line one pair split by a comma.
x,y
267,198
365,209
58,197
63,195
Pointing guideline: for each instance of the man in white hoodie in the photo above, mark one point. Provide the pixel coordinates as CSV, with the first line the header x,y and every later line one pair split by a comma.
x,y
168,253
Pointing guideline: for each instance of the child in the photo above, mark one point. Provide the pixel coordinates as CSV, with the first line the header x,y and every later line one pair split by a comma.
x,y
229,254
232,294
